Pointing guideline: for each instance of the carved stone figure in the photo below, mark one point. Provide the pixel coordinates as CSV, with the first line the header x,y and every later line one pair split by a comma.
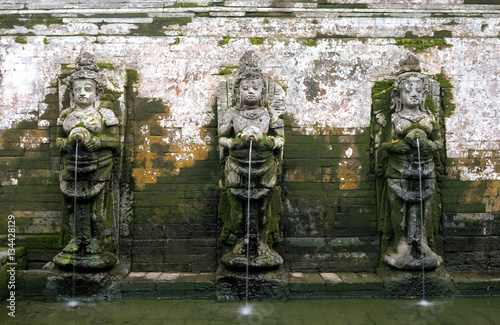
x,y
413,117
86,167
252,116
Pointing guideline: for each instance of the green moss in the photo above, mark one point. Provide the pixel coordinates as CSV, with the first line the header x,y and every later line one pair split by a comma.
x,y
310,42
446,96
45,41
28,21
155,28
132,76
21,40
224,41
266,21
257,41
176,42
417,44
226,71
102,65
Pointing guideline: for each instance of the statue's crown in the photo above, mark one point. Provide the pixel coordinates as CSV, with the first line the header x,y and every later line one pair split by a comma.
x,y
86,61
250,62
409,63
86,68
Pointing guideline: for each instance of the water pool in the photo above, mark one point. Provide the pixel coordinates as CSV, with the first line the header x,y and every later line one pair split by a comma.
x,y
451,311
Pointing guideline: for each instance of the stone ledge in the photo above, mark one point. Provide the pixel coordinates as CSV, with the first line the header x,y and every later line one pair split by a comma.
x,y
476,283
164,285
301,285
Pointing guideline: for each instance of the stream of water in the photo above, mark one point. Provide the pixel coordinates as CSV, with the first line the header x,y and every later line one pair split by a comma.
x,y
247,309
423,302
73,302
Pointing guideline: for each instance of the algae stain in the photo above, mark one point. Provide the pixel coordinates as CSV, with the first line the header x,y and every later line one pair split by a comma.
x,y
257,41
420,44
21,40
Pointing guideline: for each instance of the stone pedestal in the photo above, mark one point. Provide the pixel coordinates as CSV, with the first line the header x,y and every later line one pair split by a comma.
x,y
64,285
262,285
398,283
85,263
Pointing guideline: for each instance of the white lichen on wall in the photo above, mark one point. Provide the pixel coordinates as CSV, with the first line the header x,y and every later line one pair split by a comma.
x,y
328,81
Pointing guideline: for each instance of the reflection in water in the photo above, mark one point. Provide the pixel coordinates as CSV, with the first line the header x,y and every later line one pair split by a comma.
x,y
199,312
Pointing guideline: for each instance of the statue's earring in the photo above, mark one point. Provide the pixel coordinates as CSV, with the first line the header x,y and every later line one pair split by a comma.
x,y
71,100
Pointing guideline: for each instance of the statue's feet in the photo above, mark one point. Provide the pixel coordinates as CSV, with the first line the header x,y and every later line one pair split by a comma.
x,y
267,257
264,258
431,259
94,247
72,247
403,259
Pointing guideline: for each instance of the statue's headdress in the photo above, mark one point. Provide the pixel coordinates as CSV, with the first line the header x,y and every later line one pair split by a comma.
x,y
249,69
409,63
86,68
409,69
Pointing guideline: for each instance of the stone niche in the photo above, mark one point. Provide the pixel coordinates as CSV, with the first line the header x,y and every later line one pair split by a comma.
x,y
334,61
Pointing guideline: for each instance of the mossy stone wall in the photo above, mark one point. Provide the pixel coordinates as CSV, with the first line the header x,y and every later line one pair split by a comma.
x,y
328,56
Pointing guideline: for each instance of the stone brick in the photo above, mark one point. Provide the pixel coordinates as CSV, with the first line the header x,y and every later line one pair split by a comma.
x,y
136,285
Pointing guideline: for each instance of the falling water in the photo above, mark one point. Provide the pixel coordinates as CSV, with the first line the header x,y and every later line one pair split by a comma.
x,y
248,220
247,309
73,302
423,302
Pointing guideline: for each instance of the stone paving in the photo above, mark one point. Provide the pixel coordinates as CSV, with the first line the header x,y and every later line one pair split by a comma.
x,y
150,285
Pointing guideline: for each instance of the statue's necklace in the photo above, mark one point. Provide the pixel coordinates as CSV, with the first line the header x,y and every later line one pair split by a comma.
x,y
411,117
82,114
251,114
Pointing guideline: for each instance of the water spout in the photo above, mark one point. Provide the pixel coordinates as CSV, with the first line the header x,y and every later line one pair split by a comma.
x,y
248,308
73,302
422,254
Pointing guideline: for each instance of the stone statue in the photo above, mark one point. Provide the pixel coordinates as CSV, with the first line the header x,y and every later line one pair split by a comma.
x,y
85,191
413,116
252,116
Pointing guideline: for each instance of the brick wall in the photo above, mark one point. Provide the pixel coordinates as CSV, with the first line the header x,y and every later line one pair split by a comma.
x,y
328,56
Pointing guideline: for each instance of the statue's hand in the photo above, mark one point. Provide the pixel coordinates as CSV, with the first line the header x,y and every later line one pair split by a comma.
x,y
266,143
396,146
239,142
93,144
416,135
64,145
430,147
226,143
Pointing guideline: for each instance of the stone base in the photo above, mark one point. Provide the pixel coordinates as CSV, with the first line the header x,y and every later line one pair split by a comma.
x,y
85,263
398,283
263,285
63,285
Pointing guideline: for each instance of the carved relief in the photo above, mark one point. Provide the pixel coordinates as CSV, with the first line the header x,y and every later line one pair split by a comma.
x,y
408,146
88,140
250,108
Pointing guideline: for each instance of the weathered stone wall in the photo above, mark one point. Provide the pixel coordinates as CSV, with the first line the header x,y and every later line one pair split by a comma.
x,y
327,56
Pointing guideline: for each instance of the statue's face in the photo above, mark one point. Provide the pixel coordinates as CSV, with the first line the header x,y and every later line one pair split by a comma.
x,y
412,93
84,92
251,92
